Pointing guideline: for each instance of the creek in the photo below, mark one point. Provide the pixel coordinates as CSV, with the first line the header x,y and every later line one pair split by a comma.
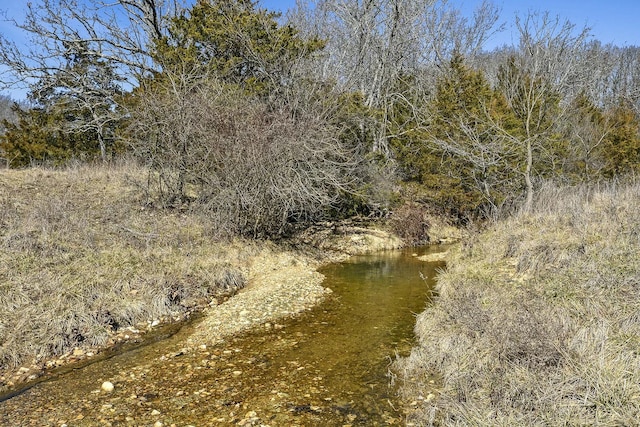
x,y
326,367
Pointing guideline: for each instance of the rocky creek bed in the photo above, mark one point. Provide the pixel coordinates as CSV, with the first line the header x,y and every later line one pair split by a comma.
x,y
209,373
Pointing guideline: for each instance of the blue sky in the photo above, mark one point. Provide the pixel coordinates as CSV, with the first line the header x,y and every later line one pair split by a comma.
x,y
611,21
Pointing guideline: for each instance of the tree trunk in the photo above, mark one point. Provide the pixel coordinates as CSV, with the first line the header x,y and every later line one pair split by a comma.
x,y
527,177
103,148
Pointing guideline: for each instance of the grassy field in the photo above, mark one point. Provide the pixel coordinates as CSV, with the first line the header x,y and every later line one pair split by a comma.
x,y
537,322
81,255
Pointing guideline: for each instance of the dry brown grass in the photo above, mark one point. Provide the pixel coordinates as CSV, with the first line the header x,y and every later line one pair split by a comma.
x,y
538,319
80,255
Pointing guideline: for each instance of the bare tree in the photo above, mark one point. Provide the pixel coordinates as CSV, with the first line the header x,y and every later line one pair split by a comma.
x,y
447,32
545,68
626,76
253,169
121,32
373,45
83,54
7,112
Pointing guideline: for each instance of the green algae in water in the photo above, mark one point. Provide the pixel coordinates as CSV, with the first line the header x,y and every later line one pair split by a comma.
x,y
326,367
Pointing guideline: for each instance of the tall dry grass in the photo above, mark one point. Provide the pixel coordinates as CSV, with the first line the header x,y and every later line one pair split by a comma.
x,y
80,255
537,322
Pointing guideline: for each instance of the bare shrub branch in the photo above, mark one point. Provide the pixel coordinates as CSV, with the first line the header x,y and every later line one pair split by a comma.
x,y
255,169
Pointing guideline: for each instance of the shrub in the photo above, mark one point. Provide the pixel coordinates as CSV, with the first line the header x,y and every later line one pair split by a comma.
x,y
255,169
409,222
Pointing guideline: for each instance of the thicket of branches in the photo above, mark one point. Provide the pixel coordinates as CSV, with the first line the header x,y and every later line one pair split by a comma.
x,y
342,107
256,170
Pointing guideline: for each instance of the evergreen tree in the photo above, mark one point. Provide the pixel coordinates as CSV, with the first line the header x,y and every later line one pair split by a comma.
x,y
240,44
33,139
460,154
621,147
88,91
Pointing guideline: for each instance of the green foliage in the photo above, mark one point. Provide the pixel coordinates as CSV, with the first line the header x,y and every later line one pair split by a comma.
x,y
460,155
76,114
240,44
584,130
535,107
532,100
621,148
407,130
600,143
37,138
355,119
355,123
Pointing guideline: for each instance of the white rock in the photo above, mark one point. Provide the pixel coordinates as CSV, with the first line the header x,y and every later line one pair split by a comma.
x,y
107,386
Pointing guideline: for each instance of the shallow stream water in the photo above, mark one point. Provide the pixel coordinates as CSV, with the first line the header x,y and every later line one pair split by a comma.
x,y
326,367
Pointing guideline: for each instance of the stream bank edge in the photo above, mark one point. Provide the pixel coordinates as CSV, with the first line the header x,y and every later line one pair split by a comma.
x,y
282,281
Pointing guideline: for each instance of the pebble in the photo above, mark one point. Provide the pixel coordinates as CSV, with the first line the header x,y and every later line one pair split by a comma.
x,y
107,386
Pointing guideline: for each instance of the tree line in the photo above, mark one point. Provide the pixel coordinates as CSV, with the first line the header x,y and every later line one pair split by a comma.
x,y
340,107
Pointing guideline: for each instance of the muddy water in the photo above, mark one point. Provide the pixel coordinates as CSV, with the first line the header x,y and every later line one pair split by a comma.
x,y
327,367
